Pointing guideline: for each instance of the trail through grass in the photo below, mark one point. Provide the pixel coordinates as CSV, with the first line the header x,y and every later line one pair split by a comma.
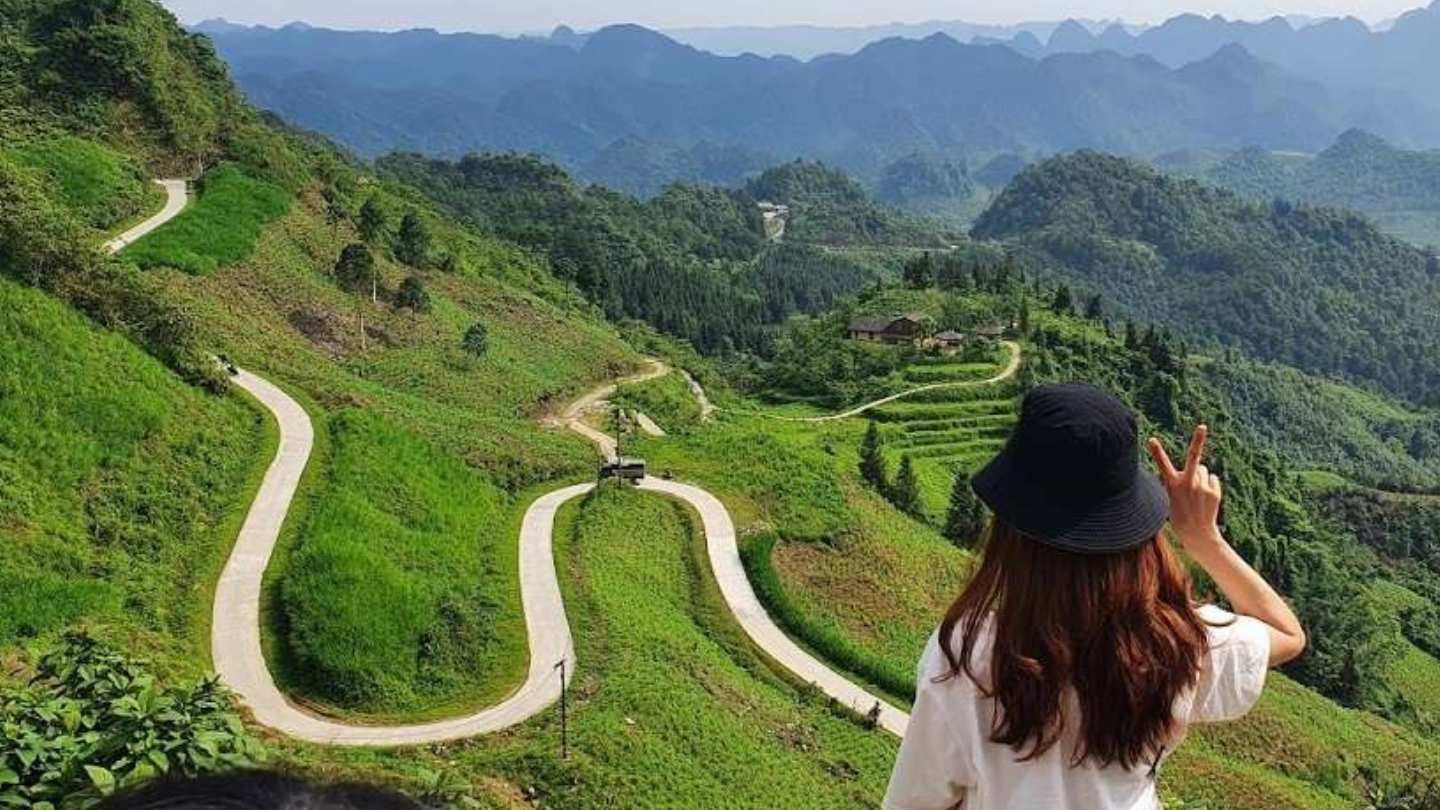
x,y
220,228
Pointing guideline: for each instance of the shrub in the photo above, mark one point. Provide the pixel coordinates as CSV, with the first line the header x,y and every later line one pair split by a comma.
x,y
413,295
412,243
476,340
355,269
92,721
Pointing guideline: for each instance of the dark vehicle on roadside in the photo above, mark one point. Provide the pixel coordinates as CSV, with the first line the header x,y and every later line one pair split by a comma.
x,y
630,470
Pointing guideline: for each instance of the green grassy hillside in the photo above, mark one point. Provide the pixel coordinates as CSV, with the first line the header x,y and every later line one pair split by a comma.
x,y
104,187
120,485
400,523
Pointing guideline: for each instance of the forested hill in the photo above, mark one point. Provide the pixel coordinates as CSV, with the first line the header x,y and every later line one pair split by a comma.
x,y
694,261
1318,288
1400,188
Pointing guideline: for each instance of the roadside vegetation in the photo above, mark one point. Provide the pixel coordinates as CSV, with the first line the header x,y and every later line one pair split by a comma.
x,y
671,705
120,486
102,186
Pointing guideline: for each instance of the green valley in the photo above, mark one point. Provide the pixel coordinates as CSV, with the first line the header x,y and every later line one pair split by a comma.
x,y
407,578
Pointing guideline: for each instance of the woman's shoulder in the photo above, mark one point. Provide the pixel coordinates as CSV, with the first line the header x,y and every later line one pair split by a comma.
x,y
935,665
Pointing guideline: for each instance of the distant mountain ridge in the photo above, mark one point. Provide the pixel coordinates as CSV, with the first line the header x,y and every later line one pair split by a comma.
x,y
1386,64
1399,188
452,94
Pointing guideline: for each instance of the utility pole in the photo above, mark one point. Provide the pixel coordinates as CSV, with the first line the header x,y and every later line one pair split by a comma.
x,y
619,420
564,730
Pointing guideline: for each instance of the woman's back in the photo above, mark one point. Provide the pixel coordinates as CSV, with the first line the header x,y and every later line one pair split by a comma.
x,y
987,775
1074,659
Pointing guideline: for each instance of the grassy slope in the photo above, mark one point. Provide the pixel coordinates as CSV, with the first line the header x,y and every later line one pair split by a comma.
x,y
102,186
726,732
398,518
120,486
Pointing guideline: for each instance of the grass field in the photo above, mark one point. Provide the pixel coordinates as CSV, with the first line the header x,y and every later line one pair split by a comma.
x,y
103,187
119,486
402,525
220,228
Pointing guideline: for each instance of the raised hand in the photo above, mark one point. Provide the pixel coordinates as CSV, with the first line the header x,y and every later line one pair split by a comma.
x,y
1194,492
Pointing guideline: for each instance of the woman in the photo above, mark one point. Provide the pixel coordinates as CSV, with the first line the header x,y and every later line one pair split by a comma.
x,y
1075,659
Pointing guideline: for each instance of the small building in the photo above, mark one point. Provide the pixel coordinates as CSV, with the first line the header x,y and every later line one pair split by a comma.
x,y
994,331
949,340
895,329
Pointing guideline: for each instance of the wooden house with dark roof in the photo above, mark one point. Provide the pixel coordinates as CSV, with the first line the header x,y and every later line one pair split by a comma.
x,y
894,329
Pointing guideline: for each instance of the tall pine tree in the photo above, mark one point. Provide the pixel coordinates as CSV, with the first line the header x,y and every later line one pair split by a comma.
x,y
906,492
872,462
966,516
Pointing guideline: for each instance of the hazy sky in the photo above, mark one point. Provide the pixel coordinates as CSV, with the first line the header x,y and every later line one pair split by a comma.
x,y
512,16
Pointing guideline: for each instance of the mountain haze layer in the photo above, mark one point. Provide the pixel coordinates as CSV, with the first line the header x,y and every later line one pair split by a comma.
x,y
452,94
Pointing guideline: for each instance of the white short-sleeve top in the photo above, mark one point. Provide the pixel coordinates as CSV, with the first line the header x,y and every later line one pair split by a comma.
x,y
947,759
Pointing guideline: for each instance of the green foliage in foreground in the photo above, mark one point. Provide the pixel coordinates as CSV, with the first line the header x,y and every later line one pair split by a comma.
x,y
91,721
402,592
219,228
116,481
99,184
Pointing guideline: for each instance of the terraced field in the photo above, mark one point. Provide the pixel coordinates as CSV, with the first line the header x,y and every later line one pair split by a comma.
x,y
945,430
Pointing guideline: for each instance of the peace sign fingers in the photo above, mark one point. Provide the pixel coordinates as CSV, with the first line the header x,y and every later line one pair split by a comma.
x,y
1168,473
1196,452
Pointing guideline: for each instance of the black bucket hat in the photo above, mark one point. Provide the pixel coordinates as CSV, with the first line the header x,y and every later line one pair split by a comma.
x,y
1070,475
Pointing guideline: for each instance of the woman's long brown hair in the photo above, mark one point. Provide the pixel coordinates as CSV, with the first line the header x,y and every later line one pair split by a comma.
x,y
1119,631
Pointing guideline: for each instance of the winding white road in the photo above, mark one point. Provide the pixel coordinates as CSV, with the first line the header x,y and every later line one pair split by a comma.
x,y
235,623
176,196
235,629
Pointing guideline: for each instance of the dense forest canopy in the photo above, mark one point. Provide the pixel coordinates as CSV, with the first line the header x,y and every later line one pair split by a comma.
x,y
1318,288
693,261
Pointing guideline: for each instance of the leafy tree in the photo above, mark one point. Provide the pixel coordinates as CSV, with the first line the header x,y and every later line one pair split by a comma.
x,y
372,220
413,295
356,269
412,243
91,722
906,492
919,272
1063,303
966,515
872,459
1094,308
476,340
